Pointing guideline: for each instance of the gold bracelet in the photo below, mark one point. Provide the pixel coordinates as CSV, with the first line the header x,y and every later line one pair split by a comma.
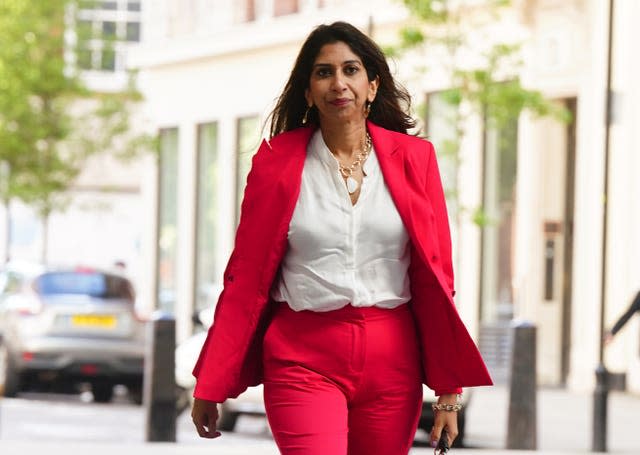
x,y
446,407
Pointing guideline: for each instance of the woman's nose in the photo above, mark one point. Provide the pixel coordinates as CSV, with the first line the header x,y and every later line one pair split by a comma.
x,y
338,83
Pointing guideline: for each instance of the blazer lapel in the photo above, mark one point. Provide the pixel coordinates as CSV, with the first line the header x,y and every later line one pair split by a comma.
x,y
286,163
390,155
289,153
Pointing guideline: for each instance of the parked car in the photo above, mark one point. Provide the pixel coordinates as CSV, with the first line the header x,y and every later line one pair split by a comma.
x,y
251,401
66,326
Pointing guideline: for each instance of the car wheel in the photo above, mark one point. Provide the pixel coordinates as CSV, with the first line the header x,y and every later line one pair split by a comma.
x,y
9,375
102,392
227,420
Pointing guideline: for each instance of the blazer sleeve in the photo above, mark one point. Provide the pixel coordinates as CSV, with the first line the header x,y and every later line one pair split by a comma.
x,y
435,193
220,362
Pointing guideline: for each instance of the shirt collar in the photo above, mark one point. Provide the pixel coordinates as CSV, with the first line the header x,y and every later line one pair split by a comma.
x,y
319,148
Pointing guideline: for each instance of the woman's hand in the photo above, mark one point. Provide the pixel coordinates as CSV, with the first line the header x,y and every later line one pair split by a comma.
x,y
445,420
204,415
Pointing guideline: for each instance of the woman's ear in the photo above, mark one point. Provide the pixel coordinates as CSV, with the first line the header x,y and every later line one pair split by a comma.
x,y
307,97
373,89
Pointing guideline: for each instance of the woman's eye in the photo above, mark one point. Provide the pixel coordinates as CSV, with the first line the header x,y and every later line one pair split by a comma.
x,y
351,70
323,72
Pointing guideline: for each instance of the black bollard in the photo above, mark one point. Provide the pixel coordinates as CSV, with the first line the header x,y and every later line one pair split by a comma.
x,y
159,380
522,428
600,399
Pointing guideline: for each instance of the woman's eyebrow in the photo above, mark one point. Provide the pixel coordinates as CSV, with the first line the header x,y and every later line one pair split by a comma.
x,y
346,62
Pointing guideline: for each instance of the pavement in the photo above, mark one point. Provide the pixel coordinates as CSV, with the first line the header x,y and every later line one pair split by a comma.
x,y
563,427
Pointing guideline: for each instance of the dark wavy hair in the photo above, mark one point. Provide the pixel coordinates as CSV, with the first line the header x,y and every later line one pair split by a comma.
x,y
390,107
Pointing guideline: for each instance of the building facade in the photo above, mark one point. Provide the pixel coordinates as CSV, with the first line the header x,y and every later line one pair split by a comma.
x,y
212,69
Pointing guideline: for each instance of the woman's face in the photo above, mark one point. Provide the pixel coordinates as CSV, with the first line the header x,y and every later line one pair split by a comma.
x,y
339,86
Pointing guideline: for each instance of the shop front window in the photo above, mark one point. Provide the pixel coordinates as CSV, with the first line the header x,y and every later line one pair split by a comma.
x,y
208,217
498,218
248,142
167,220
441,128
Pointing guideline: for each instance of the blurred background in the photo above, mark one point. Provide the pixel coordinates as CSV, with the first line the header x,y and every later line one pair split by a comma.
x,y
127,129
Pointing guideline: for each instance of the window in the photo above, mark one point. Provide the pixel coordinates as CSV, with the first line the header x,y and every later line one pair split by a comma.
x,y
499,180
108,60
248,137
103,29
108,30
441,123
207,216
133,31
283,7
84,29
167,219
86,4
85,59
109,5
133,5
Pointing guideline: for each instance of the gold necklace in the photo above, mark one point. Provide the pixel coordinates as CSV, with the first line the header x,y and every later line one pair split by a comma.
x,y
347,171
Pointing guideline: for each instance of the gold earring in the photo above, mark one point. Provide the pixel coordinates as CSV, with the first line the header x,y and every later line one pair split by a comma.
x,y
367,109
305,117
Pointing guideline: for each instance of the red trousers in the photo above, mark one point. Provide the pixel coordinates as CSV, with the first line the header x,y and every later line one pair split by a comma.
x,y
342,382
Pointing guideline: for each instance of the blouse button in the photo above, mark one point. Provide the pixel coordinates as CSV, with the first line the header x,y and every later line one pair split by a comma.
x,y
229,277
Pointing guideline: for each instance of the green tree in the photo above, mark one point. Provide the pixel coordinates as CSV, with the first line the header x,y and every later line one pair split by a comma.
x,y
483,73
50,123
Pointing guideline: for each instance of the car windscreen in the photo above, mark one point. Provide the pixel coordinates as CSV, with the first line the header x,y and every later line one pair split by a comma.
x,y
84,283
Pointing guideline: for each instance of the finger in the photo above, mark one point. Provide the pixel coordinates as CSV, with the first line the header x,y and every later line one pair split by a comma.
x,y
201,429
212,418
451,427
436,432
200,421
452,435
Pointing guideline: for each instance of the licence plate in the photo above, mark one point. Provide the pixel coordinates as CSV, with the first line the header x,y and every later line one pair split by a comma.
x,y
94,320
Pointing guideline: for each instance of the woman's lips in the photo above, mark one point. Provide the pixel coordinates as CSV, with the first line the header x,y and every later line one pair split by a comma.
x,y
340,102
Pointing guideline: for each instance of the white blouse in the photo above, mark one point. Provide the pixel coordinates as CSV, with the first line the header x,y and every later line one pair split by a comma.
x,y
339,253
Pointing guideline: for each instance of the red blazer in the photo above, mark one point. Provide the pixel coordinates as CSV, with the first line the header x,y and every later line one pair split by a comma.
x,y
231,358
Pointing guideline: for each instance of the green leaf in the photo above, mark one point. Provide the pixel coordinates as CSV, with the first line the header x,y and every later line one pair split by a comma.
x,y
411,37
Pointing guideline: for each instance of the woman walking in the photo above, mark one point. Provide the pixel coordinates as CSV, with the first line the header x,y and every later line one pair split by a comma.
x,y
338,295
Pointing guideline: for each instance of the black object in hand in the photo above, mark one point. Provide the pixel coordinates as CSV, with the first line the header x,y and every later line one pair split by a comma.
x,y
443,443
